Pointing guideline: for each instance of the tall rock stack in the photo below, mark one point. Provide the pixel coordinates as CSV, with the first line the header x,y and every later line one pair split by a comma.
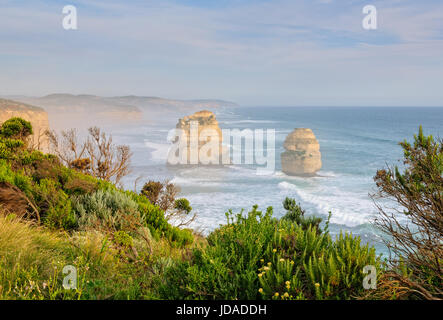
x,y
37,116
207,125
302,156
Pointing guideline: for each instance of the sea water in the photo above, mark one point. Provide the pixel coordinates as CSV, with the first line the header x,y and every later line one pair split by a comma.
x,y
354,143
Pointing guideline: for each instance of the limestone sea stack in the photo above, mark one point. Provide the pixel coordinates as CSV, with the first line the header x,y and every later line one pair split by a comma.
x,y
302,155
202,137
37,116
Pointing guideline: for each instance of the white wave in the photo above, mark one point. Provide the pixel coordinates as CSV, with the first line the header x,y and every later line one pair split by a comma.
x,y
180,181
347,208
320,174
329,174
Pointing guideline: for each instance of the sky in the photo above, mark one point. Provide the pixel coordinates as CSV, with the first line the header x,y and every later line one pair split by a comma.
x,y
261,52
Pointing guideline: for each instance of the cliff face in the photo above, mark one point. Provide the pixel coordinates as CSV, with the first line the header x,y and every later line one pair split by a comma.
x,y
205,120
37,116
201,130
302,155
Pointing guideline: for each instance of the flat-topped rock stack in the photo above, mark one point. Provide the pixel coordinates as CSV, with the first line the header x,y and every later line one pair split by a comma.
x,y
205,120
208,133
302,155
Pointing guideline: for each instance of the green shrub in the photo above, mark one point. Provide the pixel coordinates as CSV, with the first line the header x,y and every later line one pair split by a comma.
x,y
6,173
16,128
180,237
55,205
152,215
259,257
16,178
182,205
9,147
227,267
110,210
28,158
337,273
152,191
121,238
296,214
416,191
80,186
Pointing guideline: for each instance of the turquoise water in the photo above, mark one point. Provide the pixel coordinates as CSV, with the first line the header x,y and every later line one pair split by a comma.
x,y
354,143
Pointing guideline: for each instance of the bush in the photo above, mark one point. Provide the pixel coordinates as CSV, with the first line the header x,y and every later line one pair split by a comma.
x,y
259,257
183,204
121,238
152,215
97,155
418,192
9,147
16,128
296,214
110,210
155,219
152,190
337,271
55,205
163,194
16,178
80,186
180,237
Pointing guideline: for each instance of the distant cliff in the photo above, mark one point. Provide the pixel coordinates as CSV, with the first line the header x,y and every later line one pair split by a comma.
x,y
93,105
162,104
86,110
37,116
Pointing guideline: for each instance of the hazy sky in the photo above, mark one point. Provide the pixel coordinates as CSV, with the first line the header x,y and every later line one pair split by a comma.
x,y
274,52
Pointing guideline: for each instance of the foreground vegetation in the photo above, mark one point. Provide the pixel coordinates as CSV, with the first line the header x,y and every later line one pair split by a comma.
x,y
67,210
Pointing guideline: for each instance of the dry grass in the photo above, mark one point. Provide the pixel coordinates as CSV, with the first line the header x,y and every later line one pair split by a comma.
x,y
28,255
25,244
32,259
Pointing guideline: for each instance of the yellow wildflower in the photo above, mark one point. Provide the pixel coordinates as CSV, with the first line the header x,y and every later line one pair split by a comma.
x,y
260,290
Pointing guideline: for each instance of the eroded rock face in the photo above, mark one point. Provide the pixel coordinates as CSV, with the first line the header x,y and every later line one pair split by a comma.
x,y
37,116
203,138
302,155
205,119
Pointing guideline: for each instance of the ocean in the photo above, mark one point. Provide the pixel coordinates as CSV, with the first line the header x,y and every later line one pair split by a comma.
x,y
354,143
